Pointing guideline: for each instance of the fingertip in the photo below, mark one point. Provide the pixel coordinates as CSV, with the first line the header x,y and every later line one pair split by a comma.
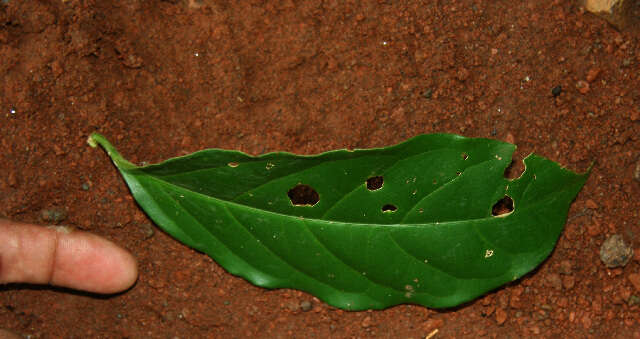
x,y
91,263
128,272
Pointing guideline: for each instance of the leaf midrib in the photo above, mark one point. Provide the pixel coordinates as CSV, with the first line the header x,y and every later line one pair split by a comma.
x,y
331,222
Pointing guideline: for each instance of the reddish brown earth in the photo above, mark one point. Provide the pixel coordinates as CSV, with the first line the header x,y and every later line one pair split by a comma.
x,y
166,78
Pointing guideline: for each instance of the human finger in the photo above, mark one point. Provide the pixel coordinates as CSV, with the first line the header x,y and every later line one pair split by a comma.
x,y
63,257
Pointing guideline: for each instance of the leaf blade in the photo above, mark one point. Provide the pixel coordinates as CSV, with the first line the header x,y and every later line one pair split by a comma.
x,y
439,247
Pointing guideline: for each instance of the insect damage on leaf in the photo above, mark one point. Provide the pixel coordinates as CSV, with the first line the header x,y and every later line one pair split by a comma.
x,y
502,206
431,221
389,208
375,183
303,195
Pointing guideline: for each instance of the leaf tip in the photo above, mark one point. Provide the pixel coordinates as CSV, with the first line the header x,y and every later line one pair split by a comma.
x,y
96,139
92,141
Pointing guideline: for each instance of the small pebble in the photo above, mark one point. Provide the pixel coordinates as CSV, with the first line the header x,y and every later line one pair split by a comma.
x,y
633,300
366,322
54,215
554,281
463,74
634,279
615,252
556,91
565,267
582,86
586,321
147,230
11,180
591,204
501,316
293,306
85,186
306,306
592,74
568,282
510,138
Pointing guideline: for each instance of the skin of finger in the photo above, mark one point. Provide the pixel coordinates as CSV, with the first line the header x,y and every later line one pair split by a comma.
x,y
26,253
91,263
78,260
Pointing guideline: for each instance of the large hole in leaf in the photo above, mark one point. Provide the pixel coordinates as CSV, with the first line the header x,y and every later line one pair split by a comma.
x,y
389,208
375,183
503,206
303,195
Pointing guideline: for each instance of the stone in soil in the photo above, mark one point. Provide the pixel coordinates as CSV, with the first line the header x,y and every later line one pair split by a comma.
x,y
501,316
554,281
592,74
616,12
147,230
565,267
568,282
582,86
54,215
366,322
614,252
591,204
306,306
634,279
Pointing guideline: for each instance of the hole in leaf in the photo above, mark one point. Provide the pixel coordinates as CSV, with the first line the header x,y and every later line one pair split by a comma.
x,y
515,168
303,195
503,206
389,208
458,173
232,164
374,183
465,156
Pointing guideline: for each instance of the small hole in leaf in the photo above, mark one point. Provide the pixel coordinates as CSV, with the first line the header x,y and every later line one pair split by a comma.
x,y
389,208
503,206
465,156
303,195
515,168
374,183
232,164
458,173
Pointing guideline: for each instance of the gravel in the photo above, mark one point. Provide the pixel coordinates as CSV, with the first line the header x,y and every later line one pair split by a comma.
x,y
306,306
615,252
54,215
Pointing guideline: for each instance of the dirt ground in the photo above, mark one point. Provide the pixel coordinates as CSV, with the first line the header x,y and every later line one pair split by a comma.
x,y
166,78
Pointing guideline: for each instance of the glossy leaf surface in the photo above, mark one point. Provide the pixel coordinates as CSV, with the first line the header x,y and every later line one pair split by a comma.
x,y
363,229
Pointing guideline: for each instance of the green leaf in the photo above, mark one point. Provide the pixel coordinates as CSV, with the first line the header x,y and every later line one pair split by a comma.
x,y
363,229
